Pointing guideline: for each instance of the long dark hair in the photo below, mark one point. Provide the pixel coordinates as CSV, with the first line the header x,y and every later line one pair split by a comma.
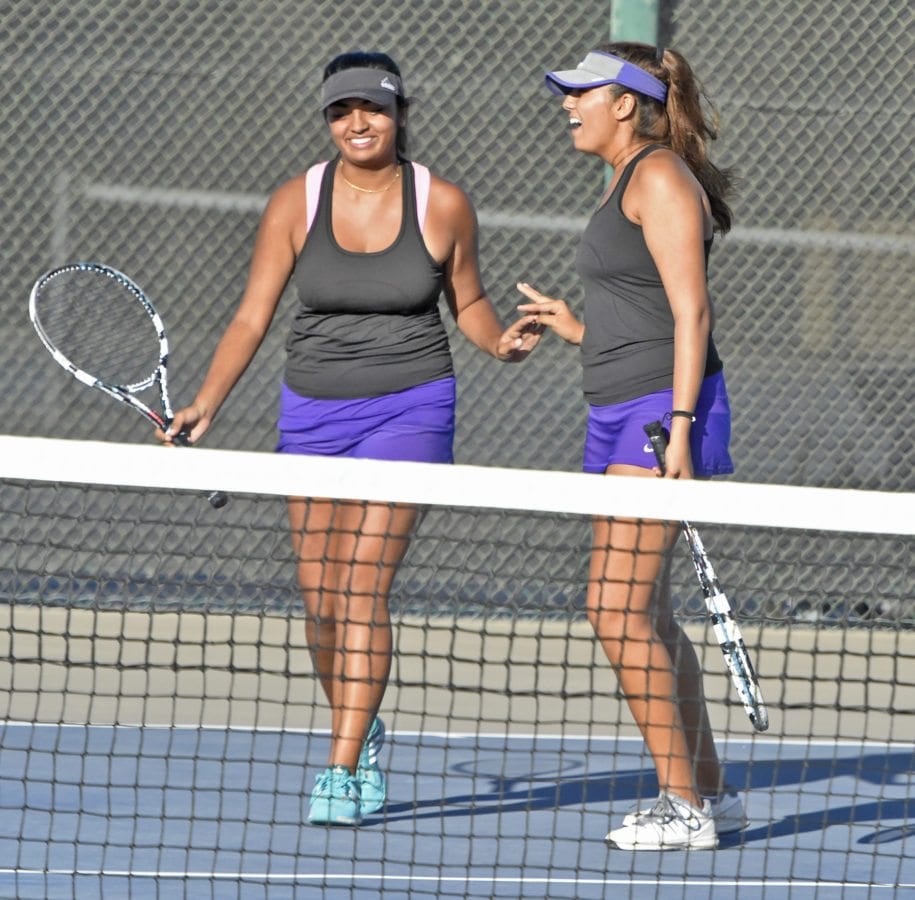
x,y
360,59
681,123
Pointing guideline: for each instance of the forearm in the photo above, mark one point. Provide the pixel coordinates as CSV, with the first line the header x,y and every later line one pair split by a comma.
x,y
479,324
232,357
690,347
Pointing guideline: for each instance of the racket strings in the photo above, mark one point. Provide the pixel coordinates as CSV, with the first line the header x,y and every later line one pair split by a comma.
x,y
101,326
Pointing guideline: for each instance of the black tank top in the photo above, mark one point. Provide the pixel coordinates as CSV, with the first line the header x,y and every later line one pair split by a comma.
x,y
628,345
367,323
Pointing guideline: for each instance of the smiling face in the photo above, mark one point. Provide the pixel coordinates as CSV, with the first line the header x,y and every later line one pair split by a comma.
x,y
365,133
593,118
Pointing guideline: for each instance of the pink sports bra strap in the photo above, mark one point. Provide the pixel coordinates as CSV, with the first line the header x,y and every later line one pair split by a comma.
x,y
313,189
422,179
313,177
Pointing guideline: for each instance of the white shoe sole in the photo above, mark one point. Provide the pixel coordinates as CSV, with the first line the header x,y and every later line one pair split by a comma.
x,y
703,844
672,823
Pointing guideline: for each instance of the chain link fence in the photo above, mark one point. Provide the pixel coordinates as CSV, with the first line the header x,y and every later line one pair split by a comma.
x,y
147,135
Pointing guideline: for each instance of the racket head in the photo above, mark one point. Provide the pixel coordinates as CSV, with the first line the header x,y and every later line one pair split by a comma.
x,y
99,325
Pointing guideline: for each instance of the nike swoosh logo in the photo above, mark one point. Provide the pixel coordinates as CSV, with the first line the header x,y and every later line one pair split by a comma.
x,y
647,449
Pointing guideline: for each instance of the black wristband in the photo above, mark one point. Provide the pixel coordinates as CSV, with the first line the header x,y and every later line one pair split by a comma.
x,y
683,413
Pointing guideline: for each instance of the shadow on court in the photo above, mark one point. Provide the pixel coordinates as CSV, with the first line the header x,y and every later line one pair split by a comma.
x,y
139,804
849,814
805,791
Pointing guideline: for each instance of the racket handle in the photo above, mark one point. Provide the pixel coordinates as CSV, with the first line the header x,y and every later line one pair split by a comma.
x,y
217,499
657,435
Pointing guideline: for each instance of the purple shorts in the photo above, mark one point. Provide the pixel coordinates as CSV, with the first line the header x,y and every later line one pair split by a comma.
x,y
415,424
616,432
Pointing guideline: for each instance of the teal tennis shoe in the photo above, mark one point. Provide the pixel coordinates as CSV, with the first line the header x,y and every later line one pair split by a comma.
x,y
372,787
335,799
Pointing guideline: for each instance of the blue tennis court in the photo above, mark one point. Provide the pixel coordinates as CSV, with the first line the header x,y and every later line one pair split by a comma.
x,y
93,811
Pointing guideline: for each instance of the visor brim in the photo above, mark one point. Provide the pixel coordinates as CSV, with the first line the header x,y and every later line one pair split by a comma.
x,y
575,80
381,97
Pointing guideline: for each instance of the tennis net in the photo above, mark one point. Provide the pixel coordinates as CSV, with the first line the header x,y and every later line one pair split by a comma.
x,y
161,723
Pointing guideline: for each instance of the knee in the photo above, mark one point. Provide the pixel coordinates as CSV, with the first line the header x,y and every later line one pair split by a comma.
x,y
320,631
609,624
323,585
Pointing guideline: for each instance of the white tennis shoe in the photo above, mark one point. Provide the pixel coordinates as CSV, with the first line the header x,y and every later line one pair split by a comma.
x,y
727,811
671,824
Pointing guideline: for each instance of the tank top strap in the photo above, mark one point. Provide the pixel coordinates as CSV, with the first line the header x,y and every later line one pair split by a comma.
x,y
625,178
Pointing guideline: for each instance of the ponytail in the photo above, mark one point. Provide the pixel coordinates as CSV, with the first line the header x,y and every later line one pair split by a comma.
x,y
681,123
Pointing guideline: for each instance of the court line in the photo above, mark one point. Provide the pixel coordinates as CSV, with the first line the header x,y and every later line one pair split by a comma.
x,y
300,877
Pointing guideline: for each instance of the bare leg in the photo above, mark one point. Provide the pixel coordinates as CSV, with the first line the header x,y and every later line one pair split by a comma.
x,y
690,690
656,665
348,555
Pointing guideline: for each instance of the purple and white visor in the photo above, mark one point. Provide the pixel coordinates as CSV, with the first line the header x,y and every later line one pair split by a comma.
x,y
599,68
375,85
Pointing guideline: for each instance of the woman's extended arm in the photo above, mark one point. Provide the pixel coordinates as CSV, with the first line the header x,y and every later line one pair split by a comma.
x,y
272,262
473,312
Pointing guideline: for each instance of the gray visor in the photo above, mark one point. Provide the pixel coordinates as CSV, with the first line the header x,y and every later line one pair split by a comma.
x,y
374,85
599,68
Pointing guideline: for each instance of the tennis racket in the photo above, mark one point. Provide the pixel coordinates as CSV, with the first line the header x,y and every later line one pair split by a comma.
x,y
724,624
94,319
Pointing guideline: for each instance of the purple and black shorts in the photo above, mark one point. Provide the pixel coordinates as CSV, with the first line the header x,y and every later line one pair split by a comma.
x,y
416,424
616,432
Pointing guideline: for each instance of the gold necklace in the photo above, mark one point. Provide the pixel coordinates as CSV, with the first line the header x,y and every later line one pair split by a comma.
x,y
363,190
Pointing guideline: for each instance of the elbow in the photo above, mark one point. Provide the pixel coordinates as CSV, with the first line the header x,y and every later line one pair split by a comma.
x,y
249,329
697,322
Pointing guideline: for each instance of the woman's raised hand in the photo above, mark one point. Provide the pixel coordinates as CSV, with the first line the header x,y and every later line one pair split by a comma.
x,y
551,313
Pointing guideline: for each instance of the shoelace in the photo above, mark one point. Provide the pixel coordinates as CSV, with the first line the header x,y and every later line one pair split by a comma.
x,y
325,782
665,810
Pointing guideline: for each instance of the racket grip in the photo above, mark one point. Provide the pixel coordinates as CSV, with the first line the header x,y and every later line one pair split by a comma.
x,y
217,499
657,436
